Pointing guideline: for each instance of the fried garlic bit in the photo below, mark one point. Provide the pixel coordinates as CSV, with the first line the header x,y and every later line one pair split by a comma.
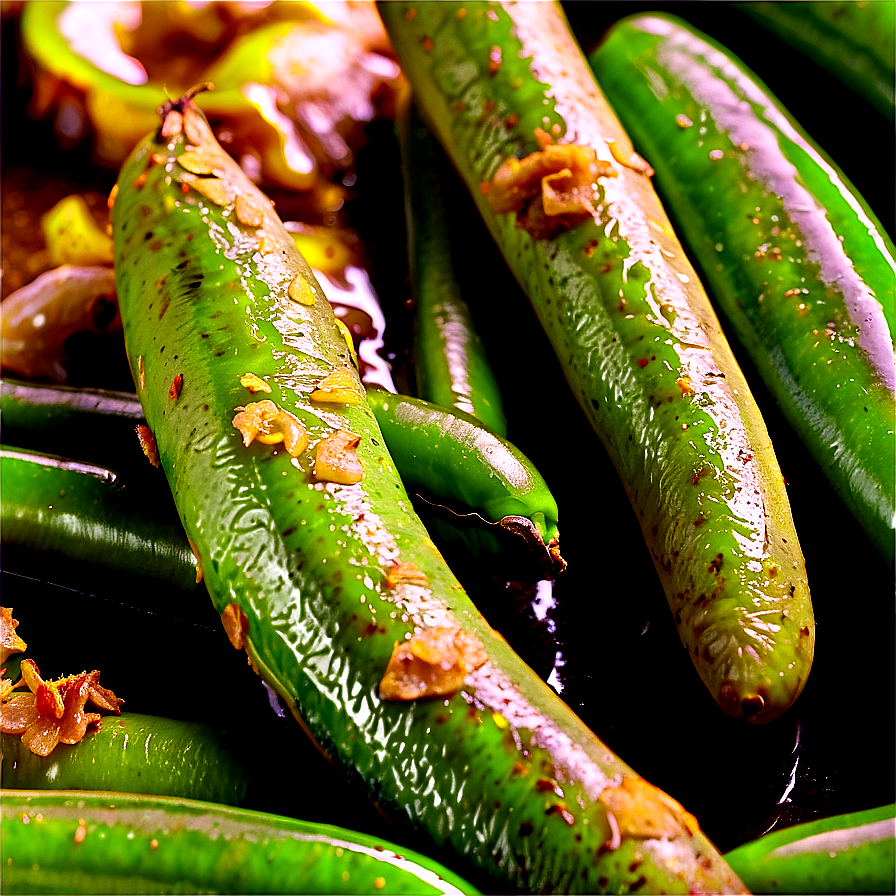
x,y
10,642
405,574
338,387
236,624
264,422
433,663
254,383
54,711
640,811
563,175
335,459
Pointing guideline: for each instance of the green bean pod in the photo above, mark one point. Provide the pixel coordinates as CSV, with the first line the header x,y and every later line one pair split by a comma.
x,y
507,85
136,753
85,516
451,365
333,588
795,259
851,853
856,41
445,454
80,842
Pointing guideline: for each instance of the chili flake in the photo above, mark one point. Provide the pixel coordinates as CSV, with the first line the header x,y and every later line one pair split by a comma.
x,y
338,387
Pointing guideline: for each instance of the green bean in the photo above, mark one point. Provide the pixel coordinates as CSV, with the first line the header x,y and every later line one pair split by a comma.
x,y
319,568
796,261
856,41
137,753
81,842
851,853
510,96
450,362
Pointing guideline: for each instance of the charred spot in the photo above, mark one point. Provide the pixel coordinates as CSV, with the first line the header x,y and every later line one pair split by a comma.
x,y
289,531
638,883
525,828
595,404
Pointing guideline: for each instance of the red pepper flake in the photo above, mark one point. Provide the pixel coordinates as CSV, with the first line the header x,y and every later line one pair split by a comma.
x,y
494,59
148,443
643,362
113,195
176,385
427,43
511,121
81,831
562,811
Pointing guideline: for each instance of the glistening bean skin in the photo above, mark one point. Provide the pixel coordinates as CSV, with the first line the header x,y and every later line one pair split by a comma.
x,y
451,366
443,452
84,514
854,40
852,853
795,259
637,338
320,580
136,753
80,842
453,455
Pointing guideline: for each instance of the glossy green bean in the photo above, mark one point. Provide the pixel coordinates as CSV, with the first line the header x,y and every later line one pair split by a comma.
x,y
854,40
506,89
333,587
137,753
86,516
852,853
797,262
81,842
447,455
451,365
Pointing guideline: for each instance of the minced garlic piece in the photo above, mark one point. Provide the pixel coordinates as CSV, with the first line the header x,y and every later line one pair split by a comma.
x,y
633,160
642,811
236,624
405,574
300,290
263,421
10,642
254,383
433,663
518,180
338,387
214,189
199,161
248,211
336,461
